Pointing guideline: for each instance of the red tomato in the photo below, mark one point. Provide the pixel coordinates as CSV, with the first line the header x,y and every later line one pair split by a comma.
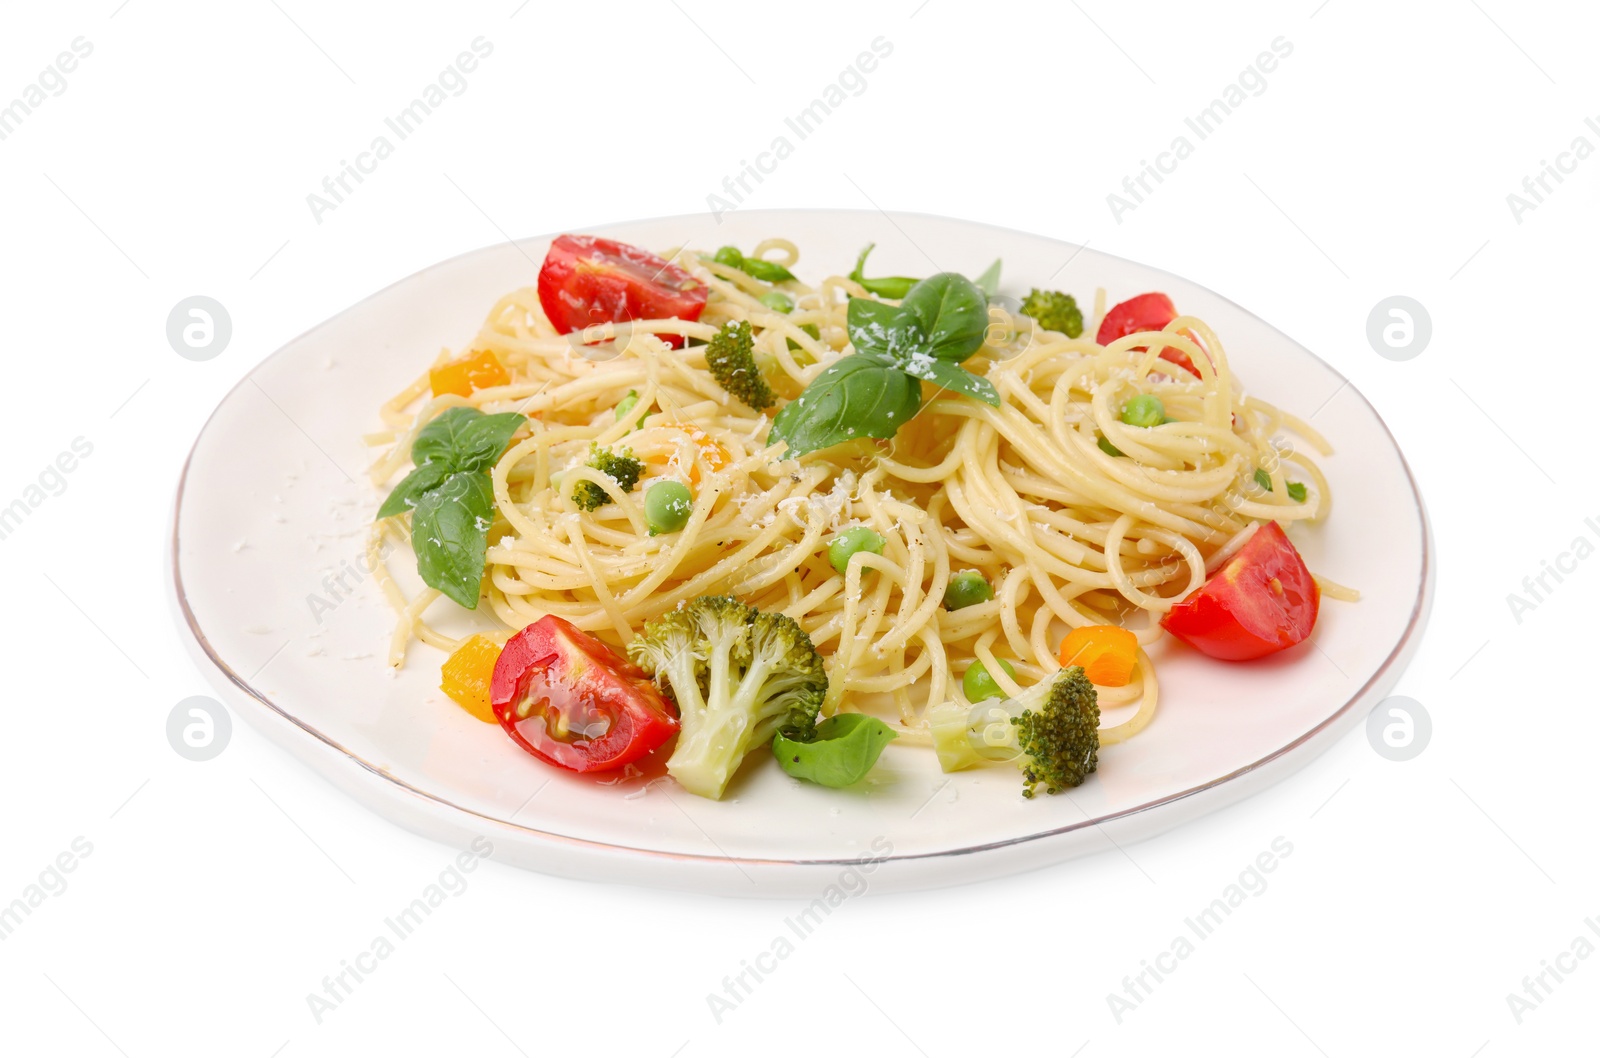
x,y
1147,312
587,280
572,701
1261,601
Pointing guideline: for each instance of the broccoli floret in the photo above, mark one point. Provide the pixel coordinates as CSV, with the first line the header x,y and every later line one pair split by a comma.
x,y
619,465
731,358
738,676
1060,736
1054,311
1051,732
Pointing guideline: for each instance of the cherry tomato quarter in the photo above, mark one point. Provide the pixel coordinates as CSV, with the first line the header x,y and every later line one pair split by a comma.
x,y
1146,312
572,701
588,280
1261,601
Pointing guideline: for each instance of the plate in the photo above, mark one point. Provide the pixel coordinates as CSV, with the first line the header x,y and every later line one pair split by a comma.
x,y
274,599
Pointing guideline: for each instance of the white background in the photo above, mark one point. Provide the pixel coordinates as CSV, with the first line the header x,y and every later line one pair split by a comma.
x,y
1377,161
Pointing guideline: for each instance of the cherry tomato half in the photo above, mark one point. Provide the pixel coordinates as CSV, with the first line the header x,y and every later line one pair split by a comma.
x,y
572,701
1147,312
1261,601
587,280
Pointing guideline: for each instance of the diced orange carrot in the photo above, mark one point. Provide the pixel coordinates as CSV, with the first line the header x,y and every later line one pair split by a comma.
x,y
477,370
467,673
1107,653
711,453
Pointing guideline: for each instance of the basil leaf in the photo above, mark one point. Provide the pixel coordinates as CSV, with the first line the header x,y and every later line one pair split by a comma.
x,y
754,267
864,395
989,281
950,315
1295,489
766,271
894,287
450,533
953,377
846,748
451,498
483,440
437,441
411,487
875,327
465,439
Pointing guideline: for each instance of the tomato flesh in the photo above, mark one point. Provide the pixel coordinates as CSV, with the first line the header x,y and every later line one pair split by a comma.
x,y
1261,601
1147,312
572,701
588,280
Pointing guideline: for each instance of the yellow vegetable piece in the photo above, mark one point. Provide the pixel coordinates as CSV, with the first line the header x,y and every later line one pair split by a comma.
x,y
467,673
713,454
1107,653
479,370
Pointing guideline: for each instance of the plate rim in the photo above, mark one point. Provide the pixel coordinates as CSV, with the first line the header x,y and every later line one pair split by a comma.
x,y
1398,656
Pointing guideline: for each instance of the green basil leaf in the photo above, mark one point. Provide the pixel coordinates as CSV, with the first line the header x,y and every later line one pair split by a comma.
x,y
450,532
411,487
754,267
875,327
465,439
766,271
846,748
989,280
864,395
484,439
437,441
950,315
954,377
893,287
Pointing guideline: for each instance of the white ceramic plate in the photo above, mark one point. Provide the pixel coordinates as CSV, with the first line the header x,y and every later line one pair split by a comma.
x,y
273,505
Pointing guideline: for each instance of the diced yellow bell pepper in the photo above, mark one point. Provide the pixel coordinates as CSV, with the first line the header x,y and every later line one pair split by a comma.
x,y
713,454
463,375
467,673
1107,653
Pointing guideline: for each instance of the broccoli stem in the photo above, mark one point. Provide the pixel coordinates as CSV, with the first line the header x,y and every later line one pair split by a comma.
x,y
969,736
1054,732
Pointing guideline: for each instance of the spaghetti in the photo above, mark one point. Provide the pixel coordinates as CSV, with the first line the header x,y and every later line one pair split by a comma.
x,y
1072,515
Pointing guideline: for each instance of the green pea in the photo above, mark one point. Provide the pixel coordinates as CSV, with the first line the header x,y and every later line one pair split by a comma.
x,y
852,540
1145,409
730,256
966,589
667,506
778,301
1110,449
979,686
627,404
